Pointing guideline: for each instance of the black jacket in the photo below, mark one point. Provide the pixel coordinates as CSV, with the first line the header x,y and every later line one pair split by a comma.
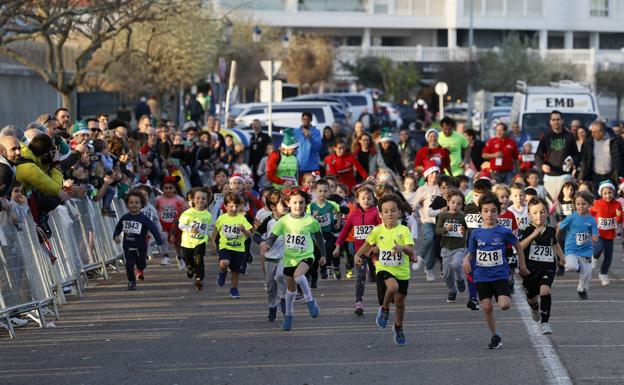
x,y
553,149
7,177
616,147
257,147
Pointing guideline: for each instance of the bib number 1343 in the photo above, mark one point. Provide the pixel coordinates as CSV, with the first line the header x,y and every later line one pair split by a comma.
x,y
489,258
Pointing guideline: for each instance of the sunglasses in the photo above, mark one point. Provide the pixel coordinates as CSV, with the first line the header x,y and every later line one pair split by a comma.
x,y
96,130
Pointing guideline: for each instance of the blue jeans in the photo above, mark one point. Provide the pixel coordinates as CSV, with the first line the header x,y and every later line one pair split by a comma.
x,y
426,250
607,246
107,200
505,177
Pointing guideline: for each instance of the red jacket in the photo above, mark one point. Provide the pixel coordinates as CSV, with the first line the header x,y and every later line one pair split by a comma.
x,y
607,215
342,167
439,155
510,153
362,222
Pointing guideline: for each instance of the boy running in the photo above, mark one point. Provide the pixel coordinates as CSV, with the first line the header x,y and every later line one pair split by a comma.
x,y
195,224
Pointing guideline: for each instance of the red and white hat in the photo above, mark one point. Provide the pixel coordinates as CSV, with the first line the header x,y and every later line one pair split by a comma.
x,y
237,176
485,173
429,167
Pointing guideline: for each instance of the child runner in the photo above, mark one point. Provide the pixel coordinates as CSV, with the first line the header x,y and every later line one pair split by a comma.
x,y
169,206
608,214
533,180
326,213
518,206
424,197
581,231
233,229
451,226
135,226
410,184
539,243
300,232
273,265
195,224
361,221
439,205
526,158
487,261
563,208
508,220
395,249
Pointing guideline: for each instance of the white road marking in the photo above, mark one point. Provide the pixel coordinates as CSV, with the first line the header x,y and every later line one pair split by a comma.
x,y
556,373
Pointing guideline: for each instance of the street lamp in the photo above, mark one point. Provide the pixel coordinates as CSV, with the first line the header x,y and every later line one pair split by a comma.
x,y
256,34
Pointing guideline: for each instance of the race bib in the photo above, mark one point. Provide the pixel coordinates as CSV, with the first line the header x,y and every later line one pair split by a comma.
x,y
606,223
218,197
498,162
504,222
202,229
567,209
456,231
582,238
541,253
362,231
132,227
489,258
291,179
528,157
474,221
169,214
295,242
323,220
390,258
522,222
231,231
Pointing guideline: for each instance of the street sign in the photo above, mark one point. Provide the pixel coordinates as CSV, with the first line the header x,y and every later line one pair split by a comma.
x,y
266,67
265,91
441,88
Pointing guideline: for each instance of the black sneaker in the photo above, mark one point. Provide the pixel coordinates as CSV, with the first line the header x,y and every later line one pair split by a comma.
x,y
560,270
461,285
451,297
189,273
313,285
496,342
272,314
473,304
324,273
131,285
582,294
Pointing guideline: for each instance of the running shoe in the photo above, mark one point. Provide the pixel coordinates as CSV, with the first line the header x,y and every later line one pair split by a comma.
x,y
131,285
560,270
283,306
399,336
594,263
545,328
313,284
349,274
329,271
18,322
299,296
461,285
221,278
165,261
181,264
140,275
418,264
324,273
234,293
429,276
272,314
604,279
287,323
189,272
313,308
337,275
496,342
198,284
382,318
473,304
359,309
451,297
535,314
582,294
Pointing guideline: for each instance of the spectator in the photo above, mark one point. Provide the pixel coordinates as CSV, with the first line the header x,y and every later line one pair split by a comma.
x,y
407,149
390,154
601,156
10,151
258,142
194,110
144,123
365,151
574,126
282,165
102,121
63,118
518,135
309,140
358,130
432,151
502,153
555,155
141,108
327,144
455,143
581,136
475,152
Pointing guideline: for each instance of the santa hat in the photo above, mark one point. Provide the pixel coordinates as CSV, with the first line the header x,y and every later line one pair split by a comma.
x,y
289,142
485,173
429,167
80,127
248,179
171,179
237,176
606,183
429,131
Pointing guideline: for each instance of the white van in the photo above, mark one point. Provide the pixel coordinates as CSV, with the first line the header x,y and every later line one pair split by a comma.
x,y
532,105
359,101
322,113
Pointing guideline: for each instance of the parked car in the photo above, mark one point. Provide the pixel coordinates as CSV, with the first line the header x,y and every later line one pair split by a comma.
x,y
359,101
323,113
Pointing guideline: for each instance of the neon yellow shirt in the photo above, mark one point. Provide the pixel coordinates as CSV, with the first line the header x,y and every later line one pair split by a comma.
x,y
297,234
230,235
194,219
388,260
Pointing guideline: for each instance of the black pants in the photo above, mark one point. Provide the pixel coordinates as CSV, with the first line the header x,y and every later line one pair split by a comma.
x,y
194,259
330,245
134,257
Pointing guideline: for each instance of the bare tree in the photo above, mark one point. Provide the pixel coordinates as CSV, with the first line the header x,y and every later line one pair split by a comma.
x,y
309,60
62,25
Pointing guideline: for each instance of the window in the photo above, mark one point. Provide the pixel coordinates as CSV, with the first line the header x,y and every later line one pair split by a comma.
x,y
333,6
599,8
515,8
254,111
493,7
534,8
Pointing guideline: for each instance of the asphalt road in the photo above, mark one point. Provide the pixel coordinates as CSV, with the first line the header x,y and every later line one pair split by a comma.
x,y
169,333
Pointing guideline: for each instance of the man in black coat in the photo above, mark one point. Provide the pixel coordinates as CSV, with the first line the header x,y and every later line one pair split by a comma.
x,y
9,152
258,143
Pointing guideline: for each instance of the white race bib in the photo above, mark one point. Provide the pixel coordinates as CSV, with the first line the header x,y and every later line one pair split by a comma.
x,y
567,209
132,227
541,253
230,231
362,231
504,222
528,157
474,221
606,223
489,258
522,222
390,258
323,220
455,231
202,229
169,214
498,162
582,238
295,242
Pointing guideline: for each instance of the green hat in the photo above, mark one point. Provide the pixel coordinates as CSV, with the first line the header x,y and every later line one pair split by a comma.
x,y
386,135
80,127
289,142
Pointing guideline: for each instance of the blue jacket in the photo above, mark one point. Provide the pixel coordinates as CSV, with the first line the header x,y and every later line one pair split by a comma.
x,y
308,153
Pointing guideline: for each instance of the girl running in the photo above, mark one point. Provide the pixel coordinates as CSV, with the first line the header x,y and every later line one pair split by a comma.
x,y
195,224
169,206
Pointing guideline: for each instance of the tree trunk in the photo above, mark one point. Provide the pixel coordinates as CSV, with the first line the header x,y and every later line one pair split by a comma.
x,y
67,100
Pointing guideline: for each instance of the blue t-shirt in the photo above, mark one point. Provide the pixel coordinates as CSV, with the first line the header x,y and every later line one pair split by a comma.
x,y
488,247
579,232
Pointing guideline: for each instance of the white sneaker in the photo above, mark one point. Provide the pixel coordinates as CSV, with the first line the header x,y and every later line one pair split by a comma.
x,y
165,261
181,264
418,264
545,328
429,276
18,322
604,279
535,314
594,263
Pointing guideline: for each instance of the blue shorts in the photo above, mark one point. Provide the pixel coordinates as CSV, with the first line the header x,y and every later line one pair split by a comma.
x,y
236,258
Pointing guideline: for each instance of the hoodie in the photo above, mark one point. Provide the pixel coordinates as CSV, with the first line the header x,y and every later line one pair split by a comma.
x,y
33,175
362,223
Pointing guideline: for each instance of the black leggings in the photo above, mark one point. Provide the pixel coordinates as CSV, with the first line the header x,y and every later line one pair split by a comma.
x,y
194,259
134,257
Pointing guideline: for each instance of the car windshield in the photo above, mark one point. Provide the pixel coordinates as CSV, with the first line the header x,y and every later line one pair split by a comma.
x,y
356,100
536,125
503,101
